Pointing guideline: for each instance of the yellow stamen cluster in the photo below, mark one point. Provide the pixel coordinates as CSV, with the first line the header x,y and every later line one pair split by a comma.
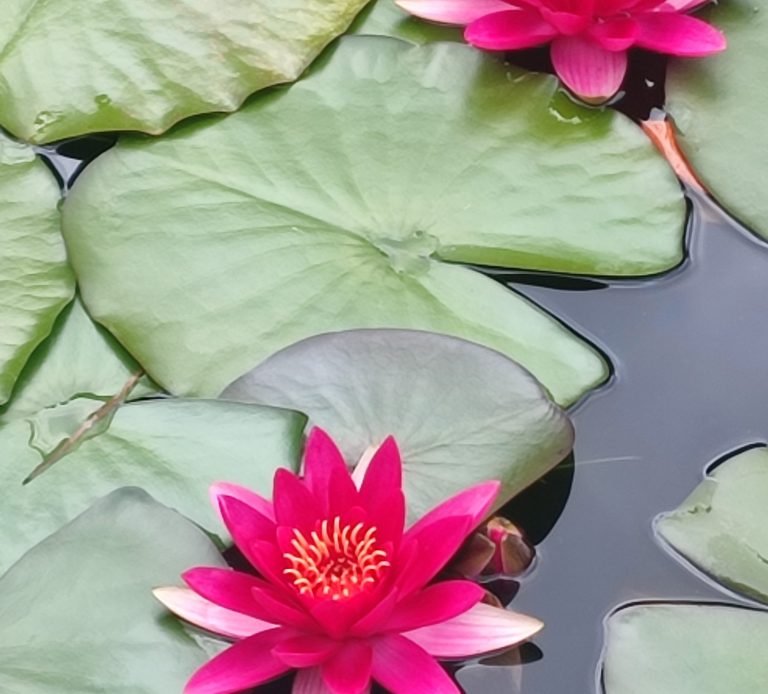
x,y
336,561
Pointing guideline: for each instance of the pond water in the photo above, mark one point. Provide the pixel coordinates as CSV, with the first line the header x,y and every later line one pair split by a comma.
x,y
689,353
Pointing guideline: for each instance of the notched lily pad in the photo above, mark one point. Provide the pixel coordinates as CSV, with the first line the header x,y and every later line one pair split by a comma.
x,y
461,413
78,611
722,527
35,280
686,649
334,204
74,67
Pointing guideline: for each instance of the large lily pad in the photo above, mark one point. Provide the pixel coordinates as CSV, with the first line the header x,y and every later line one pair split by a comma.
x,y
722,527
173,448
76,67
461,413
686,649
35,280
332,204
719,108
78,615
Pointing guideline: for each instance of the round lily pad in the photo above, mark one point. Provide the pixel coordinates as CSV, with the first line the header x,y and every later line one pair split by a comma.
x,y
72,67
461,413
35,280
338,203
718,106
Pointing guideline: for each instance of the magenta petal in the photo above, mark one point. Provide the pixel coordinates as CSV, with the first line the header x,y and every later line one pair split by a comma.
x,y
342,494
349,670
305,650
459,12
384,473
435,545
509,30
678,34
275,608
246,664
295,505
321,458
248,497
226,587
388,515
482,629
680,5
377,617
617,34
436,603
402,667
245,524
587,69
196,610
309,681
475,502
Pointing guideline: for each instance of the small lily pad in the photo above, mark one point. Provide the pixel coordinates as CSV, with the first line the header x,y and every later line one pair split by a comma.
x,y
73,67
78,611
686,649
461,413
722,527
35,280
719,105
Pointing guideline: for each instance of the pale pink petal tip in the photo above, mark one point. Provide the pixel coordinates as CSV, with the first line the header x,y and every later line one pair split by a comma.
x,y
482,629
248,497
591,72
458,12
204,614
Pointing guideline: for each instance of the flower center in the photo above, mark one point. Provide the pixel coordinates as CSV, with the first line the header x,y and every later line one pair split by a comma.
x,y
336,561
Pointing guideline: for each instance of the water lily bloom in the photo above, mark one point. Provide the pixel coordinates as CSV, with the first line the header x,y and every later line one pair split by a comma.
x,y
343,592
590,38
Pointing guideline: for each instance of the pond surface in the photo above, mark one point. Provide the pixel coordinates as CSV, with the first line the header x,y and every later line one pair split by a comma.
x,y
690,356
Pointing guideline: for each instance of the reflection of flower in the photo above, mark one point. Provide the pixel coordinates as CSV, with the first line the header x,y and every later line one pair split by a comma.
x,y
590,38
342,591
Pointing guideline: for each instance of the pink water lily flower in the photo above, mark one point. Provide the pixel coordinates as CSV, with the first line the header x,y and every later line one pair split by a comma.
x,y
344,594
590,38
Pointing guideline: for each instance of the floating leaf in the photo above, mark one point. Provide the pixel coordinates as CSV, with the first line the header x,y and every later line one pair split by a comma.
x,y
332,204
722,527
78,611
74,67
719,106
173,448
35,280
686,649
461,413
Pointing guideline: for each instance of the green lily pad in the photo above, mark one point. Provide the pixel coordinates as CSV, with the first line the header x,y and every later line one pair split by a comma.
x,y
719,106
173,448
35,280
722,527
78,612
461,413
334,203
384,18
686,649
73,67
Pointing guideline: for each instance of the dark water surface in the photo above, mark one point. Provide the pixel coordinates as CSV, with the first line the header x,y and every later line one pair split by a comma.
x,y
690,356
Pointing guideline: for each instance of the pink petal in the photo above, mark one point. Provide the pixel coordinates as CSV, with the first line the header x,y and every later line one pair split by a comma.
x,y
227,588
459,12
349,670
321,458
483,629
295,505
680,5
309,681
246,664
587,69
679,34
402,667
509,30
251,498
436,603
245,524
617,34
384,473
475,502
435,544
388,515
277,609
305,650
198,611
567,23
342,493
373,622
